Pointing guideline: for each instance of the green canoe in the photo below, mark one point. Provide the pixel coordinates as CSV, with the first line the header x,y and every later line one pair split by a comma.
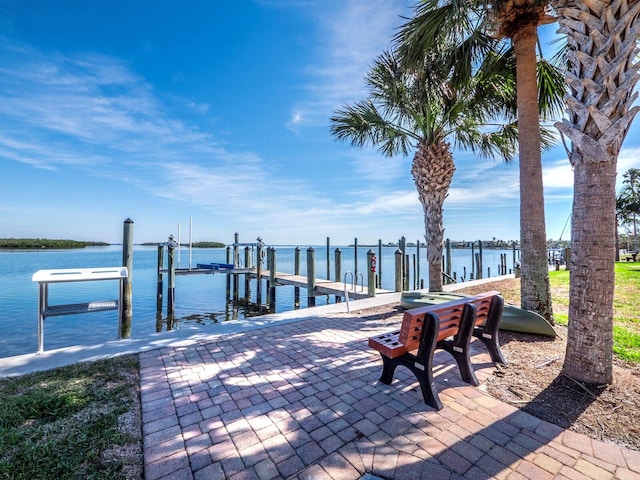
x,y
514,319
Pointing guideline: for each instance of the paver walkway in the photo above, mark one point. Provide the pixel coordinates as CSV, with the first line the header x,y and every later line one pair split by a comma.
x,y
303,401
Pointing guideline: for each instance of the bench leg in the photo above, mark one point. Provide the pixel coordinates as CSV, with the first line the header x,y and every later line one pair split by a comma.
x,y
459,346
493,346
422,371
463,359
488,333
388,368
427,385
421,365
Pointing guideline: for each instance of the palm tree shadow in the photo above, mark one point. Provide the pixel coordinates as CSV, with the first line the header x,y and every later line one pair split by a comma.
x,y
490,451
562,402
538,421
499,446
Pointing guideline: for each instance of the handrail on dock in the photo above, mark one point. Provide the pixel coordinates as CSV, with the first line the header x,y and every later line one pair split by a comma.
x,y
354,285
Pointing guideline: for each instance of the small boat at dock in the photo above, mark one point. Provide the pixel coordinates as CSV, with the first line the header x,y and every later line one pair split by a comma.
x,y
514,319
215,266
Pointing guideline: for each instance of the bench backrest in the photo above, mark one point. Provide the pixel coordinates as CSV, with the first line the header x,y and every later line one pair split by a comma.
x,y
449,314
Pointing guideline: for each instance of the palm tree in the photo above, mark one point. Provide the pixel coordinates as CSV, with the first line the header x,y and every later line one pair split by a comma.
x,y
421,109
629,200
603,47
626,212
479,25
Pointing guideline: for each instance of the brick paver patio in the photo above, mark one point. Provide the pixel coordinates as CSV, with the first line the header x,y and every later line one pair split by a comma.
x,y
303,401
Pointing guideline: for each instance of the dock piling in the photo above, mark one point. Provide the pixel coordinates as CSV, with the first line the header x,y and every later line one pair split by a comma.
x,y
271,259
228,259
159,279
338,268
473,260
355,256
127,285
171,280
399,275
418,266
247,277
371,273
379,281
447,262
259,248
296,271
406,272
415,276
311,277
328,258
236,264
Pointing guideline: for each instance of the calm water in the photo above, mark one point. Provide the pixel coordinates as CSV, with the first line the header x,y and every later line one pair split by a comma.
x,y
200,299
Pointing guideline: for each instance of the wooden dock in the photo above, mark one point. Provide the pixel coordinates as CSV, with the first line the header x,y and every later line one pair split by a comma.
x,y
254,256
322,286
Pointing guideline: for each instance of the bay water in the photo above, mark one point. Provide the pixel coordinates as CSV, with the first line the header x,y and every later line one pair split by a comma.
x,y
200,299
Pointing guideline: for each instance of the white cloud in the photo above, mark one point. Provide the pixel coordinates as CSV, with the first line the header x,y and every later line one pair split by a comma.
x,y
297,119
558,174
372,166
86,109
352,34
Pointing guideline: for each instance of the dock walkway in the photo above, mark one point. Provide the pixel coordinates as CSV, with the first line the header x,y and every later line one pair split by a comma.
x,y
322,286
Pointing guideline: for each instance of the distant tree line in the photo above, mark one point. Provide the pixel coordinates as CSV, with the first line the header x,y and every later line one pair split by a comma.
x,y
206,245
194,244
628,209
33,243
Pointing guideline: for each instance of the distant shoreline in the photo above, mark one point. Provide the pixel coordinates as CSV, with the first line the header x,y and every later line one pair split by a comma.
x,y
58,244
193,245
45,243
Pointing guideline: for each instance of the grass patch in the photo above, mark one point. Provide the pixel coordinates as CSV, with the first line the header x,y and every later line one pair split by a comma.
x,y
626,305
626,300
561,318
626,344
71,422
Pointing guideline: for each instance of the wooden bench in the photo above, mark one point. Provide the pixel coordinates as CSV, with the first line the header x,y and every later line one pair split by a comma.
x,y
448,326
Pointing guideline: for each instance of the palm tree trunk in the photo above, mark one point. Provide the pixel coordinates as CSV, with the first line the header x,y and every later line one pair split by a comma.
x,y
604,70
432,171
535,290
589,352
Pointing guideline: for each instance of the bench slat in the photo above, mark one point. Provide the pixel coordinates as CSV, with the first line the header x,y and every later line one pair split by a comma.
x,y
407,339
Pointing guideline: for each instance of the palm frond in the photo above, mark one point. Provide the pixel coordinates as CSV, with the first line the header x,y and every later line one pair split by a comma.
x,y
362,124
493,88
548,137
464,55
500,141
551,89
434,22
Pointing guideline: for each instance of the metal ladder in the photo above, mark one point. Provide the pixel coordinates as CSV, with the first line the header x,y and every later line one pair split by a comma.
x,y
354,285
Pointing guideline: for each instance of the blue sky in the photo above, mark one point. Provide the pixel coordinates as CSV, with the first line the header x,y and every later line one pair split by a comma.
x,y
219,111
